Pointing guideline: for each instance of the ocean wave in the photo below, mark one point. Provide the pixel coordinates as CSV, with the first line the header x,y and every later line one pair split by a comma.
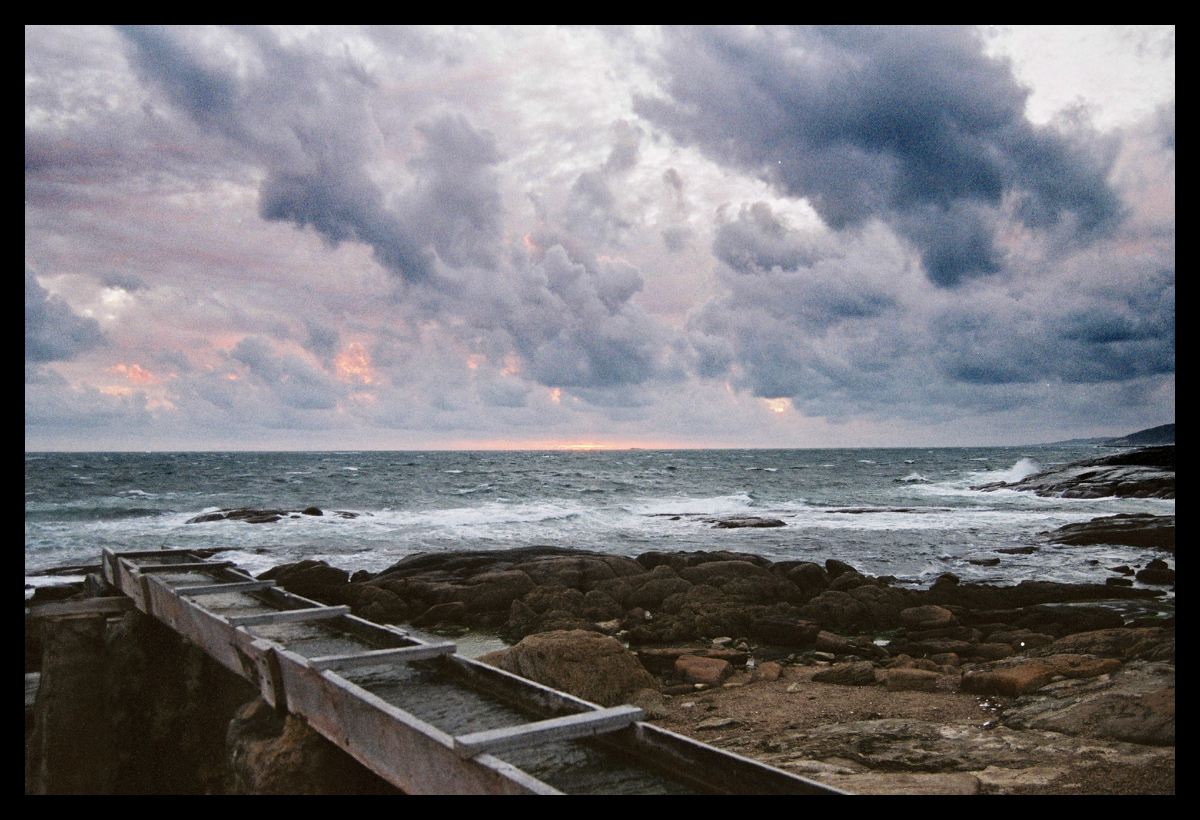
x,y
1022,469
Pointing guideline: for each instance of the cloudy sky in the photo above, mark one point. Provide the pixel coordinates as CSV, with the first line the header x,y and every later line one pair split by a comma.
x,y
310,238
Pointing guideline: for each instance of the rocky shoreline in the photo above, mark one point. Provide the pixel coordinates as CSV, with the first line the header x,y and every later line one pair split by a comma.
x,y
1040,687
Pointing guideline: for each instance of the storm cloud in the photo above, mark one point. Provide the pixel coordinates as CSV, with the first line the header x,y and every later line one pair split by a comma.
x,y
916,127
389,237
53,332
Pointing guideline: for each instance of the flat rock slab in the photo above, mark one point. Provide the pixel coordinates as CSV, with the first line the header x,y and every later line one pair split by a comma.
x,y
900,745
902,783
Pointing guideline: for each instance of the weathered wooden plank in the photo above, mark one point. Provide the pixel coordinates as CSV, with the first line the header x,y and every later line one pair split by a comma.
x,y
402,654
87,606
568,727
416,757
286,616
716,770
203,566
217,589
148,553
413,755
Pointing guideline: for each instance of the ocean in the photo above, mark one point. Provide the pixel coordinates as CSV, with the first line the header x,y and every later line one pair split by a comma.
x,y
908,513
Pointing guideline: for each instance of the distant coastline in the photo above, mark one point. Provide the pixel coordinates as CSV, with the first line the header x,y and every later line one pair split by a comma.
x,y
1150,437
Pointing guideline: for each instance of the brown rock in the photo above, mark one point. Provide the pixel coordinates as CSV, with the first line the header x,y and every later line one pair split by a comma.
x,y
911,680
272,754
767,671
588,665
695,669
1010,681
662,661
993,651
451,613
929,616
778,630
834,644
1083,666
861,673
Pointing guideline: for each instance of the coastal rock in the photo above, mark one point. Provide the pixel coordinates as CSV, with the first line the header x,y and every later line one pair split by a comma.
x,y
927,617
310,579
1134,704
904,745
376,603
733,522
779,630
589,665
811,579
860,673
1009,681
741,578
1145,473
911,680
1145,643
662,661
1027,594
1128,529
681,560
272,754
262,516
696,669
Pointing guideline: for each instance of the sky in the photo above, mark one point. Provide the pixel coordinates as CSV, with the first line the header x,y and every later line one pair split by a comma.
x,y
458,238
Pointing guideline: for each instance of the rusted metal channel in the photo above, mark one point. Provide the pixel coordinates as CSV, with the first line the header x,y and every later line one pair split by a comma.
x,y
239,622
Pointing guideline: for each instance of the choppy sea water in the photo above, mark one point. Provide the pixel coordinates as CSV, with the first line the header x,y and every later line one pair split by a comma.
x,y
910,513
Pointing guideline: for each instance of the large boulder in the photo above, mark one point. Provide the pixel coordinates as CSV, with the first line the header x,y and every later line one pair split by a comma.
x,y
310,579
595,667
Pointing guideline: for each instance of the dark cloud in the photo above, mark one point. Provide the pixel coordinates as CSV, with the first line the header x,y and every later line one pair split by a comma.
x,y
592,209
917,127
53,332
127,282
321,340
757,240
455,201
205,91
1166,125
297,383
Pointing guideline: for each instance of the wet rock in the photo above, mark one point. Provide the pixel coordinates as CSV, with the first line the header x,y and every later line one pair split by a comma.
x,y
1147,473
451,613
1128,529
1157,572
733,522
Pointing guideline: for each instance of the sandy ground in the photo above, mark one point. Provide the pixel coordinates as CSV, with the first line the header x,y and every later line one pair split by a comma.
x,y
760,720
